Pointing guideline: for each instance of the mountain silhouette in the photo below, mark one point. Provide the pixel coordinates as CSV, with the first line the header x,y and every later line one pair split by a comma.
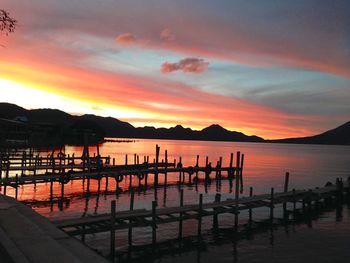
x,y
111,127
337,136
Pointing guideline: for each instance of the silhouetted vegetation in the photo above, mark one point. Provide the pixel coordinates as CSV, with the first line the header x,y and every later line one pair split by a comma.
x,y
7,23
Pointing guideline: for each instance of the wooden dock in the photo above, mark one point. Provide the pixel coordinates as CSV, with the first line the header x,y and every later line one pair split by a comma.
x,y
64,168
35,169
156,216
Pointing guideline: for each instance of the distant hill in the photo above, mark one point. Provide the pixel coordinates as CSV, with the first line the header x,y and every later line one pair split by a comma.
x,y
8,110
211,133
337,136
111,127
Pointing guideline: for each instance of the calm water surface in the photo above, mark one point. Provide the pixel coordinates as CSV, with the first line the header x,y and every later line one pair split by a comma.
x,y
264,167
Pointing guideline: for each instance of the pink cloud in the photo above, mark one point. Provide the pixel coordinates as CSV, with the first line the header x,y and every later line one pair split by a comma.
x,y
126,39
167,35
305,46
187,65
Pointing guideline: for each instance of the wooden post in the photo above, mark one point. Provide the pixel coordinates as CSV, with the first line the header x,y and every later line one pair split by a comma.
x,y
53,163
200,211
154,225
62,190
16,187
126,159
230,174
130,182
146,174
5,186
30,157
140,184
294,204
206,177
179,165
117,185
7,171
156,167
24,163
285,189
166,167
241,173
196,167
88,185
237,188
250,210
146,181
130,222
286,182
35,164
271,204
51,189
112,232
181,214
98,186
339,199
338,191
106,184
215,216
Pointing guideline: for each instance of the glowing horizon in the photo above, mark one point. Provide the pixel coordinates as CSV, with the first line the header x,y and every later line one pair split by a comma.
x,y
243,67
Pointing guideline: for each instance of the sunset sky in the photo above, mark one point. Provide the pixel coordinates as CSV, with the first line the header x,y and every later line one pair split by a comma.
x,y
271,68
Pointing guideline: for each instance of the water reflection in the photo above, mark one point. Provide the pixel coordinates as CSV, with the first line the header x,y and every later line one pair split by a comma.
x,y
264,163
265,166
262,244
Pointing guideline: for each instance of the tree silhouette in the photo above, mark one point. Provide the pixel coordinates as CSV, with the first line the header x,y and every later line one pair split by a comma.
x,y
7,23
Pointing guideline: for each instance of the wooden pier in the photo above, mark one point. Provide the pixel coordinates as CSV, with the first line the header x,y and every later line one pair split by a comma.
x,y
63,168
310,198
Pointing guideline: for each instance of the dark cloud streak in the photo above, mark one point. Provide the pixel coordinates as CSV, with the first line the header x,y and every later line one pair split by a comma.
x,y
187,65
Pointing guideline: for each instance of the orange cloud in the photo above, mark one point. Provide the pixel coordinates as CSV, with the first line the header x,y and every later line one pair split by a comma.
x,y
126,39
187,65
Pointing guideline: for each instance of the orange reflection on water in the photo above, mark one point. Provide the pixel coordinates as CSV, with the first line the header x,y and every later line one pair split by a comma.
x,y
264,167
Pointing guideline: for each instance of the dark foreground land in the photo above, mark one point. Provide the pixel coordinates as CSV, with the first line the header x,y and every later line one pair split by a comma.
x,y
26,236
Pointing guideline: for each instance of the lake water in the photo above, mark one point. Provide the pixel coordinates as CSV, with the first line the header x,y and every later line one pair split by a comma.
x,y
264,167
